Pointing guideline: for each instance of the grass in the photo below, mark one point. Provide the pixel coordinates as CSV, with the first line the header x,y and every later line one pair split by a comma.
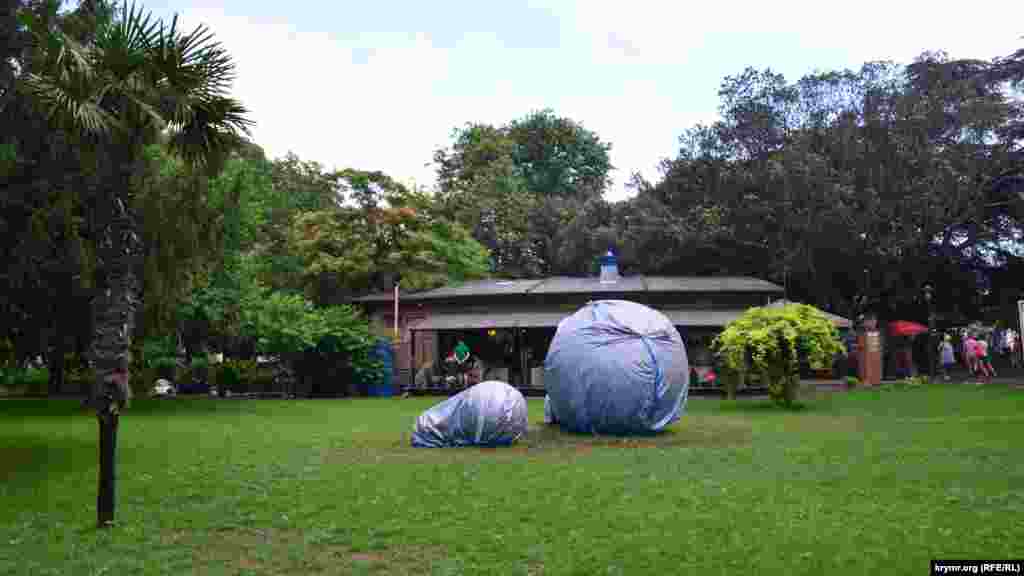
x,y
870,481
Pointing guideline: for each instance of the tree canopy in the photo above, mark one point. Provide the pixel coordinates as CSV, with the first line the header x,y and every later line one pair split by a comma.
x,y
851,188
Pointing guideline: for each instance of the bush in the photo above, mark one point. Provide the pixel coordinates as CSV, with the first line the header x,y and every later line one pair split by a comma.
x,y
731,381
288,325
36,380
30,380
914,381
260,379
227,377
242,376
160,356
79,377
199,369
773,342
164,367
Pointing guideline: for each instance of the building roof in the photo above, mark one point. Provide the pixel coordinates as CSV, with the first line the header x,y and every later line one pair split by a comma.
x,y
836,319
586,285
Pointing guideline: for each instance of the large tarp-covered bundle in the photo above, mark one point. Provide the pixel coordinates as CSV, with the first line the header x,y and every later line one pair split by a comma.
x,y
492,413
616,367
549,413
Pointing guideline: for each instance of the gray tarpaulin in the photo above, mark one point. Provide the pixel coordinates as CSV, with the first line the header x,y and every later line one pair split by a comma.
x,y
492,413
549,413
616,367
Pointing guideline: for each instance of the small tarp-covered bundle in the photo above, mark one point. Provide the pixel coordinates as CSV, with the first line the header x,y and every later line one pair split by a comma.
x,y
492,413
616,367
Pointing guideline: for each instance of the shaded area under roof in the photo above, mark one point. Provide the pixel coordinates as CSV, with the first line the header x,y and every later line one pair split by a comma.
x,y
586,285
489,320
710,318
520,319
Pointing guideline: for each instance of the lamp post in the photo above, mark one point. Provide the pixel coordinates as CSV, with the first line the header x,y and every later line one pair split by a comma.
x,y
927,291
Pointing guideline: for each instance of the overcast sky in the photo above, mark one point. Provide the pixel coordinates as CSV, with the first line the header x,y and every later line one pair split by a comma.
x,y
379,85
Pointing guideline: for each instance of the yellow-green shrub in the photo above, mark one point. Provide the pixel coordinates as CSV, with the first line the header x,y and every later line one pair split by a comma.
x,y
772,341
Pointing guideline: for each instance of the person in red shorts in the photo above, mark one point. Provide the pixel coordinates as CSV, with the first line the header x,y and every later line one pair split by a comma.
x,y
984,364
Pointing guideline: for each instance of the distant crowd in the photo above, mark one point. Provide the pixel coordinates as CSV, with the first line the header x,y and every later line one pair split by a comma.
x,y
974,349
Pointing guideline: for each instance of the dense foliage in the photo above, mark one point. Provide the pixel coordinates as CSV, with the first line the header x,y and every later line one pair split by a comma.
x,y
288,325
773,342
849,187
517,186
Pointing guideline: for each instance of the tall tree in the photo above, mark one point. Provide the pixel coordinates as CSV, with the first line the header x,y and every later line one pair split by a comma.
x,y
558,157
387,232
871,178
511,185
134,82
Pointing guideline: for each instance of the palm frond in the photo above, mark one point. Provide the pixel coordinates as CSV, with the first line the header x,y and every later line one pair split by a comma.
x,y
145,109
74,56
214,131
124,47
194,62
68,104
136,29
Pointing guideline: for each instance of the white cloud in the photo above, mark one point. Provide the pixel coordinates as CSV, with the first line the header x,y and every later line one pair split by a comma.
x,y
659,31
307,95
385,102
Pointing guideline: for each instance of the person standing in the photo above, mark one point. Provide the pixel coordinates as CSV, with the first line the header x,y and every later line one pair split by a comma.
x,y
970,345
984,364
1012,342
852,354
946,356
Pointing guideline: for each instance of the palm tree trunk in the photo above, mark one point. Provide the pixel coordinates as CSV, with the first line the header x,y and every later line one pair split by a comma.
x,y
56,362
114,313
115,305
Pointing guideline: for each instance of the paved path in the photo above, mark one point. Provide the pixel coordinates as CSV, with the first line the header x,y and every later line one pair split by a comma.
x,y
1013,381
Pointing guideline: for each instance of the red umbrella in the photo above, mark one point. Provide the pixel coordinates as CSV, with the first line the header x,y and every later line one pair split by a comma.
x,y
906,328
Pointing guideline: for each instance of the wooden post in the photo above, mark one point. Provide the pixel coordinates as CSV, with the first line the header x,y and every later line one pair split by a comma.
x,y
397,339
870,357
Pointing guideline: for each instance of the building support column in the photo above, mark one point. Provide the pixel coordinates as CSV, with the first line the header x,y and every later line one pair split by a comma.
x,y
523,369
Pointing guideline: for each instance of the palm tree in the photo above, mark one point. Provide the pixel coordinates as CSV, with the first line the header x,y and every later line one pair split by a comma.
x,y
133,83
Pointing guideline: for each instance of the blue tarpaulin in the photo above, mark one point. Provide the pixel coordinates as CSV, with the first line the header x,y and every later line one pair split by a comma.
x,y
492,413
616,367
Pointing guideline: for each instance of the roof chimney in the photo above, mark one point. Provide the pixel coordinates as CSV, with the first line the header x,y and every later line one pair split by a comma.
x,y
609,269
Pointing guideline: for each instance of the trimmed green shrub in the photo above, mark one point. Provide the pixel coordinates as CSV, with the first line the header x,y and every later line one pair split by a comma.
x,y
25,380
731,381
773,342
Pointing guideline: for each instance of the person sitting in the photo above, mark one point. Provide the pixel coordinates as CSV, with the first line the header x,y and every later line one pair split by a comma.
x,y
461,352
425,376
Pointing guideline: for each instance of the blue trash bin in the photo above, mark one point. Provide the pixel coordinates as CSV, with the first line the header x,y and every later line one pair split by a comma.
x,y
383,352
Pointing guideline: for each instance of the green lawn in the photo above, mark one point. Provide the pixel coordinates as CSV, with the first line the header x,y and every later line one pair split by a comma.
x,y
865,482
